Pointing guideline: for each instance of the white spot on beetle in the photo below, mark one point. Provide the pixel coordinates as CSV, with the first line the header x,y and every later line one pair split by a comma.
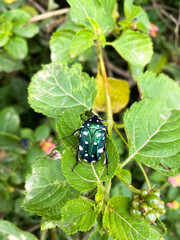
x,y
86,155
98,135
95,143
97,125
85,160
103,138
80,135
93,161
88,124
80,148
90,119
92,155
85,133
97,120
86,142
100,150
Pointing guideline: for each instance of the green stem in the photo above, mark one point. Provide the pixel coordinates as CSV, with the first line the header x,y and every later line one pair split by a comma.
x,y
133,189
165,185
115,128
145,175
10,135
125,162
104,75
119,125
107,189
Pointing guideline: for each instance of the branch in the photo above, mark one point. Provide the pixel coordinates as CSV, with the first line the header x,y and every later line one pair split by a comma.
x,y
49,15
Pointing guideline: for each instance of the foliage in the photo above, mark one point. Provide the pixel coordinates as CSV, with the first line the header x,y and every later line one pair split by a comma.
x,y
39,185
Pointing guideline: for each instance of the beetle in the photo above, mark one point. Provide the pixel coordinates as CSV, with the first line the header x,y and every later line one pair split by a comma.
x,y
92,140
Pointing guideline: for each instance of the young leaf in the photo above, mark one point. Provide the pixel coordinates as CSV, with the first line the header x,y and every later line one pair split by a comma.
x,y
9,230
47,190
24,29
130,9
134,47
81,42
84,10
17,47
56,88
83,177
60,45
7,64
9,120
154,136
78,215
121,225
119,94
124,174
160,87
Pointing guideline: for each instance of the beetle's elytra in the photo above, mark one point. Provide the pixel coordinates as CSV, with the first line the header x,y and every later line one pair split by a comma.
x,y
92,140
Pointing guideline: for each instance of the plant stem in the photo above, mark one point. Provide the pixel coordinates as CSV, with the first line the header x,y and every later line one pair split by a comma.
x,y
145,175
10,135
166,184
119,125
118,132
107,190
53,234
126,162
133,189
48,15
104,75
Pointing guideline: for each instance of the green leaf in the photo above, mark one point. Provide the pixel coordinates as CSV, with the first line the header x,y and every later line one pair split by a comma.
x,y
7,64
108,5
9,120
17,47
154,136
10,144
42,132
24,29
160,88
134,47
130,9
135,70
124,174
60,45
157,63
78,215
67,124
12,232
56,88
83,177
49,224
121,225
81,42
47,190
84,10
4,38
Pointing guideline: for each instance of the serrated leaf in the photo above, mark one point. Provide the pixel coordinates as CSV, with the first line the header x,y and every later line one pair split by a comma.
x,y
124,174
12,232
160,87
67,124
17,47
121,225
130,9
83,177
56,88
60,45
7,64
83,10
159,227
47,190
9,120
81,41
154,136
134,47
119,93
78,215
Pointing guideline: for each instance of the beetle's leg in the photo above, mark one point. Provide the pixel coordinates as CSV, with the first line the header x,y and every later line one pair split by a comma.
x,y
72,133
106,159
77,160
82,117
